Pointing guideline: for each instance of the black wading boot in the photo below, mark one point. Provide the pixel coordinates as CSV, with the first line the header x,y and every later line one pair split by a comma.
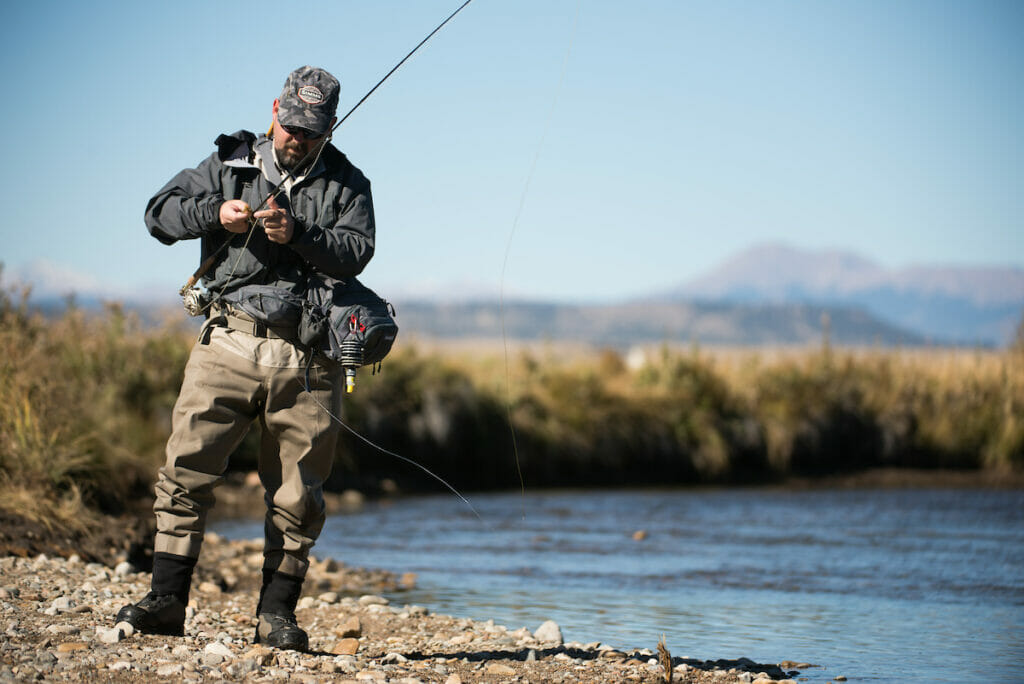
x,y
277,626
155,614
162,611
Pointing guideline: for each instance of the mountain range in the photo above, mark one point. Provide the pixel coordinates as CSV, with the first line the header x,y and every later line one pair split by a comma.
x,y
943,304
768,294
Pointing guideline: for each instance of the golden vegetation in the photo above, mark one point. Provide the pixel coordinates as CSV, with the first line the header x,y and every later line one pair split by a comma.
x,y
84,410
85,404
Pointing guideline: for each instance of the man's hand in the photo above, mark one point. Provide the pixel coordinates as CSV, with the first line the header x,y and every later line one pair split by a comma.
x,y
234,216
276,223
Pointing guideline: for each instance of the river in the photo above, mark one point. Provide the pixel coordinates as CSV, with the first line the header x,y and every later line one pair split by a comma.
x,y
875,585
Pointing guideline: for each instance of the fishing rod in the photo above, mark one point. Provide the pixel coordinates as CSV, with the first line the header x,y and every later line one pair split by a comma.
x,y
193,299
192,303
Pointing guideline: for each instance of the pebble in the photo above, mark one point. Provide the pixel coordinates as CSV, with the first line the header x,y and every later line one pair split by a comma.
x,y
549,632
372,600
217,648
500,670
351,628
261,656
363,639
109,635
124,569
62,604
346,647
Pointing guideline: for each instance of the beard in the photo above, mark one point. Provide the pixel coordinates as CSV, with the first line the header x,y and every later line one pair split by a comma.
x,y
291,154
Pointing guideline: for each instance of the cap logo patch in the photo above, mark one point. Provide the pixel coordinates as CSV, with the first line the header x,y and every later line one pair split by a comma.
x,y
310,95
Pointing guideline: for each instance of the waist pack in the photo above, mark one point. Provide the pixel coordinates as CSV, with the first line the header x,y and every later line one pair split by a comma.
x,y
347,321
271,306
342,320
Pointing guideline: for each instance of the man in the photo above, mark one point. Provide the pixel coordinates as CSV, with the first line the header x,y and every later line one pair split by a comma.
x,y
242,368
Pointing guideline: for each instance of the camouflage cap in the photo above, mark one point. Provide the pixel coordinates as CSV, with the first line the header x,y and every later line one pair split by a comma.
x,y
309,99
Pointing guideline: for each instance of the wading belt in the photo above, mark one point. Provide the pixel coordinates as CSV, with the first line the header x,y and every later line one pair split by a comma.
x,y
254,328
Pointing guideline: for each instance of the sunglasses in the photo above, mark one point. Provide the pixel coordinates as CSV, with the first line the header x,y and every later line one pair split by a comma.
x,y
305,132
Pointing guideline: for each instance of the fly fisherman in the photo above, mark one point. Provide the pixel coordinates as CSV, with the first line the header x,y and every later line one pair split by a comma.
x,y
243,368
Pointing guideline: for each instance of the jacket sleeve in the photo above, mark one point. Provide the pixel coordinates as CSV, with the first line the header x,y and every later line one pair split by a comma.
x,y
343,249
189,205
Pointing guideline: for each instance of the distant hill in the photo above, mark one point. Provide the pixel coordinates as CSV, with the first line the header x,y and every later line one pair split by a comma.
x,y
941,303
645,322
766,295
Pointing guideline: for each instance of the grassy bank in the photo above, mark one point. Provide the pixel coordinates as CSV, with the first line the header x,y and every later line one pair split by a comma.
x,y
85,406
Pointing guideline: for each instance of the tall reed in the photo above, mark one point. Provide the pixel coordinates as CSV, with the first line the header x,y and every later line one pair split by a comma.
x,y
85,404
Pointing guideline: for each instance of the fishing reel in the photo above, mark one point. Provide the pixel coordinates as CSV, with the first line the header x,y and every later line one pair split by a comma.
x,y
195,299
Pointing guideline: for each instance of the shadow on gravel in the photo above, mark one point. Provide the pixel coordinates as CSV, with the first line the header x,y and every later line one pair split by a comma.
x,y
772,670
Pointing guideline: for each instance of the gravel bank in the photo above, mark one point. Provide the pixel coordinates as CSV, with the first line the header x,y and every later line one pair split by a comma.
x,y
56,620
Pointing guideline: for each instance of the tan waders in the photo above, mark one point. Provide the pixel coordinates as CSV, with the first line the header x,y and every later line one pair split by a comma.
x,y
231,379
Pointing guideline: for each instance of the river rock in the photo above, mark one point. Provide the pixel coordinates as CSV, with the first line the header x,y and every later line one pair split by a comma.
x,y
123,569
260,655
346,647
350,629
372,600
500,670
217,648
62,604
549,633
169,669
109,635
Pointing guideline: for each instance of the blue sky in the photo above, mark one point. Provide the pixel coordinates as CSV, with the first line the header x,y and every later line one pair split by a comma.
x,y
682,132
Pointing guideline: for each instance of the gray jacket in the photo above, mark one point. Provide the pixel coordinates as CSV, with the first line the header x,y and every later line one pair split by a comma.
x,y
331,207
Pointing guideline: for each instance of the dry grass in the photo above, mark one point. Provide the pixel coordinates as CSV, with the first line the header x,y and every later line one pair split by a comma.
x,y
85,406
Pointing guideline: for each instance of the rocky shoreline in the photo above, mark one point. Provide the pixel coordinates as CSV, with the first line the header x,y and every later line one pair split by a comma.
x,y
56,618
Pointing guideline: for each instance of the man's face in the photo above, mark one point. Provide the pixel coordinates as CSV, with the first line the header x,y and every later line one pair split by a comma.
x,y
291,144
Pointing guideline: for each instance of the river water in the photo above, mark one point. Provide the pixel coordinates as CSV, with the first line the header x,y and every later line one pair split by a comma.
x,y
875,585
